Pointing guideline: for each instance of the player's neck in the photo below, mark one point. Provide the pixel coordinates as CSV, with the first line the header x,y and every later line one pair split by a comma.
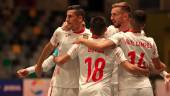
x,y
96,36
78,29
124,27
135,29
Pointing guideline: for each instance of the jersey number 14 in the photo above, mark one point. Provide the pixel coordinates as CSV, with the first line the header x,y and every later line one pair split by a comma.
x,y
132,55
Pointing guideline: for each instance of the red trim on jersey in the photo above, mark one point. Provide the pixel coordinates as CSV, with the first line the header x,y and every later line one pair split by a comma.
x,y
129,30
95,36
81,31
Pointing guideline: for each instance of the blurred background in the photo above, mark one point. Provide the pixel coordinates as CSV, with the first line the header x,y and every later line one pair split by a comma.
x,y
26,25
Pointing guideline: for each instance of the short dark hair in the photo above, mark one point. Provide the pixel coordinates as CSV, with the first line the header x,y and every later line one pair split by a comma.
x,y
140,17
98,25
78,10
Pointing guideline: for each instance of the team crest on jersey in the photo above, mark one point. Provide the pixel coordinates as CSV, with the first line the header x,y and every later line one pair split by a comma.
x,y
86,35
67,35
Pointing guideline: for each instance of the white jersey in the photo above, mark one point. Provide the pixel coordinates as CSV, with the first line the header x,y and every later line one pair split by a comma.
x,y
96,68
70,71
110,31
138,49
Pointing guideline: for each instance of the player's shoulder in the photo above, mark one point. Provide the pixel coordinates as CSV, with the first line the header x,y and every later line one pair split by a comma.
x,y
87,33
112,29
121,33
58,30
149,38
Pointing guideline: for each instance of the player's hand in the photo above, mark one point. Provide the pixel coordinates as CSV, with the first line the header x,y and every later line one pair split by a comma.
x,y
38,70
22,73
78,40
167,82
66,26
167,78
140,71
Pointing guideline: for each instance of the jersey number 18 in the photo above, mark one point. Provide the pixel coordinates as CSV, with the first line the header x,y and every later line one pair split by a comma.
x,y
97,69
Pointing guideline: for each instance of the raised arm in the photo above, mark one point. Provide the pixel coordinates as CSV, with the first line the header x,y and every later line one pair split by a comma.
x,y
44,54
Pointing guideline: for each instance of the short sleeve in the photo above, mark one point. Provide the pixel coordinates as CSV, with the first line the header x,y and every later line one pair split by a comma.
x,y
116,38
110,31
119,55
57,35
155,50
31,69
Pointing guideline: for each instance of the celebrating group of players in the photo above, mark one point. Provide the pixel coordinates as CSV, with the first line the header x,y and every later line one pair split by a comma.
x,y
102,61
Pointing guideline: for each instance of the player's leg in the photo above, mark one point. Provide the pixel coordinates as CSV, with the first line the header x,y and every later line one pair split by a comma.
x,y
128,92
97,91
115,90
145,91
136,92
71,91
57,91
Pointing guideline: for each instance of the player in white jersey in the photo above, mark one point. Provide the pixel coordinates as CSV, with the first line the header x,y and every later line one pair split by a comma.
x,y
124,21
63,40
140,49
122,14
96,66
124,9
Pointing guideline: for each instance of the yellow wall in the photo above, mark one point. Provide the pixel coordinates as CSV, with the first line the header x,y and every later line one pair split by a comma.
x,y
158,26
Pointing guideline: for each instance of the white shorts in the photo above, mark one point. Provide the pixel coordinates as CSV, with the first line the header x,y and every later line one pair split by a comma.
x,y
57,91
97,91
136,92
115,90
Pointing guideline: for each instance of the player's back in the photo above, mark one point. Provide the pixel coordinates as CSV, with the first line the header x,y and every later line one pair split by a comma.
x,y
96,68
139,50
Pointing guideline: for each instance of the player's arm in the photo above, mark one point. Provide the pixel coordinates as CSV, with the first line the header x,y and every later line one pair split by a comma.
x,y
166,76
46,52
71,53
158,64
112,41
132,68
47,65
49,47
161,70
61,59
95,45
25,72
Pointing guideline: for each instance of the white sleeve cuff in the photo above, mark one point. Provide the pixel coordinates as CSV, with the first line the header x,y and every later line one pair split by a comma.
x,y
163,74
31,69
